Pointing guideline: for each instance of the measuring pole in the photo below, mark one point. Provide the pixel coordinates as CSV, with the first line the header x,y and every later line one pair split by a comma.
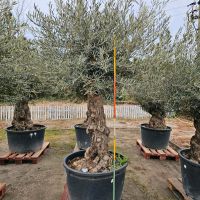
x,y
114,116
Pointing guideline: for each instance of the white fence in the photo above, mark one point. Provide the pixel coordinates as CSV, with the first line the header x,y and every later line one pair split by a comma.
x,y
75,111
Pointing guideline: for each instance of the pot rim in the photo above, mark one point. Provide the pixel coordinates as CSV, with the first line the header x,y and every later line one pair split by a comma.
x,y
155,129
188,160
90,174
78,126
42,127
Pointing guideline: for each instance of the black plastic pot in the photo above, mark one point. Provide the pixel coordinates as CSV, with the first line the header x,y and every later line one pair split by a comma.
x,y
27,140
190,175
83,139
155,138
93,186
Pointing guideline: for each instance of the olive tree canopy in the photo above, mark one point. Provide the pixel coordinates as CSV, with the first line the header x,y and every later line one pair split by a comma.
x,y
18,78
185,84
77,37
23,77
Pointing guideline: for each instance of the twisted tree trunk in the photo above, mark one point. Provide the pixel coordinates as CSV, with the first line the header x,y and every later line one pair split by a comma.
x,y
195,141
97,158
157,110
157,121
22,116
97,155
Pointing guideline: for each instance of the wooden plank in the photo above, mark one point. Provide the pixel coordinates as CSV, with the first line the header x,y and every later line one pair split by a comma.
x,y
154,152
20,156
2,186
168,153
37,154
146,150
3,157
28,156
146,153
12,156
176,187
176,155
65,194
172,151
2,190
162,155
161,152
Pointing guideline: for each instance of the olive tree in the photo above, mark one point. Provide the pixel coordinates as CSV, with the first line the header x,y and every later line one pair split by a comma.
x,y
185,84
21,74
78,35
151,84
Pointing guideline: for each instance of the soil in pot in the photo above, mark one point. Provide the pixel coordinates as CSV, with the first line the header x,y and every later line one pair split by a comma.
x,y
24,141
81,183
190,170
82,137
155,138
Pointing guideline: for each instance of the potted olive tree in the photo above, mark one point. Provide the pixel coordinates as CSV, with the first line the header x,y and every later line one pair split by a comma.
x,y
20,81
84,44
149,87
185,99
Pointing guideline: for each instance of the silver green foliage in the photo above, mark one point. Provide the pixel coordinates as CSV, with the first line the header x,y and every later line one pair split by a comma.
x,y
168,79
77,38
22,75
185,75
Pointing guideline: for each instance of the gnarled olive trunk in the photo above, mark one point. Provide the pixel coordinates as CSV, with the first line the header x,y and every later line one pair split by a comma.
x,y
157,121
157,110
195,140
97,155
22,116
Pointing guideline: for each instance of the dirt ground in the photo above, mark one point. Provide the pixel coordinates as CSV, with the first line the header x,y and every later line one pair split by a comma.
x,y
145,179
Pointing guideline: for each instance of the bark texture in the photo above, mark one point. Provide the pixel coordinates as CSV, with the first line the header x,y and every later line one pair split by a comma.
x,y
97,157
22,116
97,126
195,141
157,121
157,111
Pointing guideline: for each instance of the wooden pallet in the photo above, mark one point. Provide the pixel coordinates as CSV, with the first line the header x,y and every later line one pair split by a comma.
x,y
65,194
168,153
2,190
31,157
176,186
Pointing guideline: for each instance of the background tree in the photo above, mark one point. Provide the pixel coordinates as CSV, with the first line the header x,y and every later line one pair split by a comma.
x,y
185,84
77,37
21,77
151,85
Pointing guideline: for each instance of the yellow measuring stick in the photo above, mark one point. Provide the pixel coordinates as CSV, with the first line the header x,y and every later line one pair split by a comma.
x,y
114,116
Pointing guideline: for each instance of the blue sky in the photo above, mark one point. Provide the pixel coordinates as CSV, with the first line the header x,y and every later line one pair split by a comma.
x,y
176,9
